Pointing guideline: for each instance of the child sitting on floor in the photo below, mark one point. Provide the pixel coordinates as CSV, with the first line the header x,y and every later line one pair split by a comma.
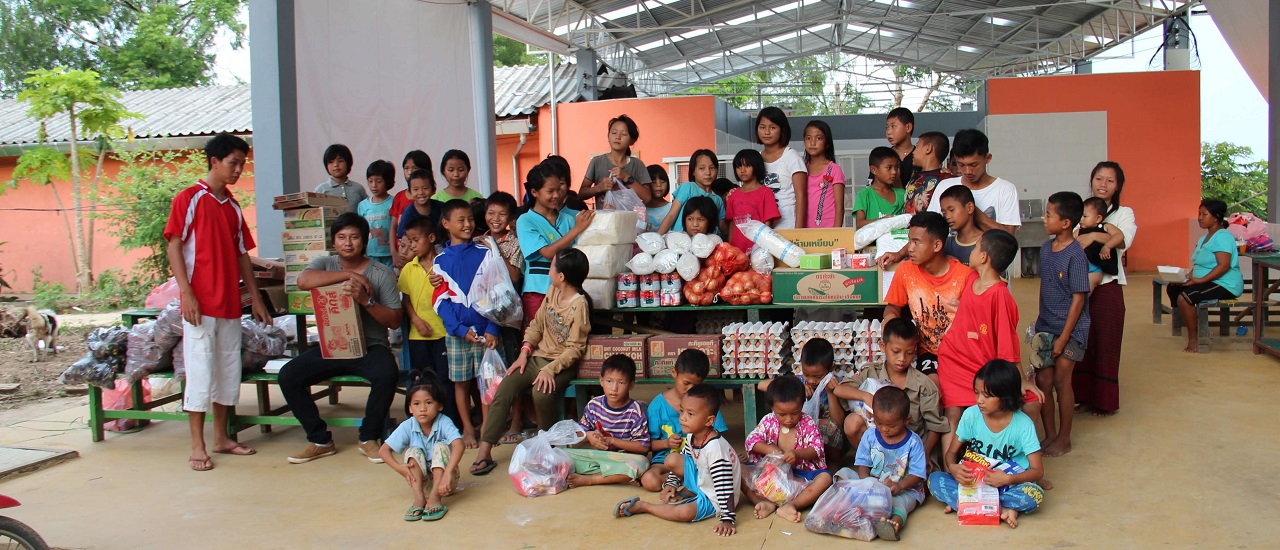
x,y
817,358
616,427
665,431
999,438
432,449
1098,239
791,433
894,455
707,467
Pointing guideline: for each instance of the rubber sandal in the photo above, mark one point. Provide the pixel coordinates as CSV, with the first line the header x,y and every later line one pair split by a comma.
x,y
623,508
885,529
511,438
435,513
239,450
414,514
485,466
205,464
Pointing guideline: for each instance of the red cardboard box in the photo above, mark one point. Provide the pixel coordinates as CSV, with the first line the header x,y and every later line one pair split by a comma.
x,y
600,348
663,351
338,319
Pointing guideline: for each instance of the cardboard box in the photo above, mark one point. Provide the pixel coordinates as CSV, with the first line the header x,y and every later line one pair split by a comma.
x,y
267,269
819,240
291,280
836,286
308,245
303,258
293,269
307,224
815,261
308,236
276,298
304,200
338,320
663,351
601,347
322,213
299,301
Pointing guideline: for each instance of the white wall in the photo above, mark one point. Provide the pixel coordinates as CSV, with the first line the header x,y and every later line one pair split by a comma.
x,y
1045,153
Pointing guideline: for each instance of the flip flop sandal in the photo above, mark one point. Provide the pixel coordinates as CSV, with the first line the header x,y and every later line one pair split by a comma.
x,y
414,514
238,450
511,438
205,463
886,529
485,466
435,513
623,508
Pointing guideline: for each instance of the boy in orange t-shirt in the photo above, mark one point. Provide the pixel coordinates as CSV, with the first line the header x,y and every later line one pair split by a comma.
x,y
930,285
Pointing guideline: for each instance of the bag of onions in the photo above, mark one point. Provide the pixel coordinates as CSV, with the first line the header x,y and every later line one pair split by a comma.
x,y
748,288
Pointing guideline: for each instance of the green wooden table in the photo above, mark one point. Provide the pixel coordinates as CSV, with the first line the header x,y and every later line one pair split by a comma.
x,y
751,402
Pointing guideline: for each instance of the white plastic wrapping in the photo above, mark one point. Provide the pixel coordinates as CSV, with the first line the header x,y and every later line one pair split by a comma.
x,y
626,200
703,244
679,242
641,264
765,237
610,227
537,468
892,241
664,262
869,233
687,265
606,261
761,260
651,242
603,292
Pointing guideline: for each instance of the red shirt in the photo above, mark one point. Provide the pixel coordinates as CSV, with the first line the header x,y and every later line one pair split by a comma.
x,y
214,236
985,328
400,202
759,204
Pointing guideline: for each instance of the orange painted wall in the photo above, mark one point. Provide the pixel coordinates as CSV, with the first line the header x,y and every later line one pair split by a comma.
x,y
669,127
39,238
1153,131
529,157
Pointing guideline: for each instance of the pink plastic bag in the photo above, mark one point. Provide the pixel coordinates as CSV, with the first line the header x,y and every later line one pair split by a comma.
x,y
162,295
1245,226
120,399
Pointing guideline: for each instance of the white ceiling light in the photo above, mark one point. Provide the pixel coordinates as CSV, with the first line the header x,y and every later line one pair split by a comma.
x,y
969,49
1001,21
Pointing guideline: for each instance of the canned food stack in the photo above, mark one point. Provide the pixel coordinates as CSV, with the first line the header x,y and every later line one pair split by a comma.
x,y
755,350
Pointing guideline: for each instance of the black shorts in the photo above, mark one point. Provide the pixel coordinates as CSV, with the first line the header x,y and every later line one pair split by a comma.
x,y
1198,293
927,363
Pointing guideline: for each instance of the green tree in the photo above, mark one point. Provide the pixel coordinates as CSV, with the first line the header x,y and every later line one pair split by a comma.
x,y
134,44
800,86
1227,173
144,189
93,111
508,52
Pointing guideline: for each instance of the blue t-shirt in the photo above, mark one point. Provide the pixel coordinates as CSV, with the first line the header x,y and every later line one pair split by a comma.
x,y
1011,445
409,434
378,214
689,190
893,462
662,414
534,232
1062,275
656,215
1204,259
411,213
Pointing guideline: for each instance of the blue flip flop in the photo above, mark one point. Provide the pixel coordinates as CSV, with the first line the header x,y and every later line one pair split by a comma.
x,y
623,508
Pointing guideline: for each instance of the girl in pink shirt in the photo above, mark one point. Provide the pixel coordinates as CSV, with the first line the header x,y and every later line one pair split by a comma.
x,y
751,201
826,179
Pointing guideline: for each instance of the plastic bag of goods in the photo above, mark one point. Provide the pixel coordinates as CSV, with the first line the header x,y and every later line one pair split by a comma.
x,y
704,244
651,242
729,259
850,508
607,260
161,295
871,232
109,344
601,291
978,503
626,200
761,260
768,239
687,265
664,262
144,355
492,293
892,241
259,344
641,264
119,398
609,227
492,370
90,370
679,241
539,469
704,289
871,386
169,325
748,288
772,478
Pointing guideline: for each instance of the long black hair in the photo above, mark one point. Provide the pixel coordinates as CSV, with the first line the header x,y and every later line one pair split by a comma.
x,y
572,263
828,144
776,116
1003,382
1115,197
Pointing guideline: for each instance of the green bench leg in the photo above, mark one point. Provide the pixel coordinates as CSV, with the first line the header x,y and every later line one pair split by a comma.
x,y
95,414
750,417
264,404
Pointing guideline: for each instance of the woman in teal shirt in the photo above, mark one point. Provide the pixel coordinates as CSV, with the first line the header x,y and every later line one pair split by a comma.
x,y
1215,270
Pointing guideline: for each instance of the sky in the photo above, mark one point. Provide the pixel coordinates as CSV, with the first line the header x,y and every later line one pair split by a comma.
x,y
1231,108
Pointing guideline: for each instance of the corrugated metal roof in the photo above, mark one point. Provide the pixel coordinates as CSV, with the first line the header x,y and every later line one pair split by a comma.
x,y
521,89
192,111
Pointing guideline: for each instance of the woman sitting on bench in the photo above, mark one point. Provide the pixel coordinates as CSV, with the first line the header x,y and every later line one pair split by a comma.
x,y
1215,270
372,286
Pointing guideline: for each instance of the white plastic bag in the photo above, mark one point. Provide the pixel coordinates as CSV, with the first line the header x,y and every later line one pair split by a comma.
x,y
492,370
664,262
679,242
650,243
890,242
607,260
772,478
539,469
870,232
688,266
704,244
765,237
492,294
813,405
626,200
609,227
761,260
871,386
641,264
851,508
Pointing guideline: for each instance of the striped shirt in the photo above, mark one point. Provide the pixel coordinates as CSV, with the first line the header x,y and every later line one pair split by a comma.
x,y
1063,274
629,423
718,474
214,236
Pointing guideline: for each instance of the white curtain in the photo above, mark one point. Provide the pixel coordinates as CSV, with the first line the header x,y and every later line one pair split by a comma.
x,y
1243,23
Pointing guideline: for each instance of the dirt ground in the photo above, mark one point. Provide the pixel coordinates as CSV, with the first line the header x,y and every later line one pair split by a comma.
x,y
39,381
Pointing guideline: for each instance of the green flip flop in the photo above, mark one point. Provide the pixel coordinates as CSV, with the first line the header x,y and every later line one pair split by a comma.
x,y
435,513
414,514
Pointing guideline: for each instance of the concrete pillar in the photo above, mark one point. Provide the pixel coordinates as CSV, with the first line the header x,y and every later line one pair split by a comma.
x,y
1084,67
1177,44
485,164
275,115
1273,110
588,63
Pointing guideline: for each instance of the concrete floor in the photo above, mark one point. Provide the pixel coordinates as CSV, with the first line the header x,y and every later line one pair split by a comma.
x,y
1181,465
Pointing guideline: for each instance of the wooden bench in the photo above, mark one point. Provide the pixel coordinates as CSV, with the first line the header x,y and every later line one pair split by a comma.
x,y
1224,310
751,402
